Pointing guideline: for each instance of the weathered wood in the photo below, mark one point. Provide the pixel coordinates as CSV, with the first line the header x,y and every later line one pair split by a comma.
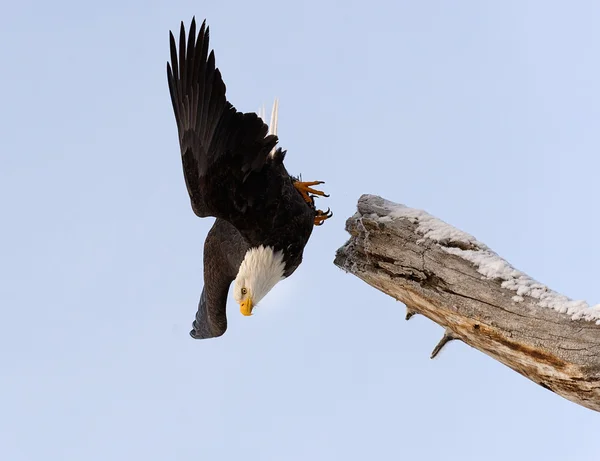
x,y
391,253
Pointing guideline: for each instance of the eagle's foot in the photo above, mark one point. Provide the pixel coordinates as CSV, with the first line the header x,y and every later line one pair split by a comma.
x,y
322,216
305,189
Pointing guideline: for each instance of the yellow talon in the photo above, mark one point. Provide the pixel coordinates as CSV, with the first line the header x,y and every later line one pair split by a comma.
x,y
322,216
305,189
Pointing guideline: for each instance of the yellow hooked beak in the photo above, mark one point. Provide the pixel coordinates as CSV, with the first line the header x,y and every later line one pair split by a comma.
x,y
246,306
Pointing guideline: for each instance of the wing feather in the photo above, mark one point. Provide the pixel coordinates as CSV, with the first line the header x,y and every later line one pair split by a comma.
x,y
220,146
224,249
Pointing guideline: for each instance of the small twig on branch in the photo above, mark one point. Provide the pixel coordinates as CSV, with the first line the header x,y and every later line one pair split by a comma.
x,y
410,313
448,336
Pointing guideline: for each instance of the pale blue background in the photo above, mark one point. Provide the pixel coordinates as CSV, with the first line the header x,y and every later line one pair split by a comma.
x,y
486,115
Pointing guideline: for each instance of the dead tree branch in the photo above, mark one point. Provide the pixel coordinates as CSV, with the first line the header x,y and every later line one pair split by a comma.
x,y
451,278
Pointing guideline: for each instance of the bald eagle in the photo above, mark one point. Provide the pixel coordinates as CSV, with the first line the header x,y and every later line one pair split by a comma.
x,y
234,172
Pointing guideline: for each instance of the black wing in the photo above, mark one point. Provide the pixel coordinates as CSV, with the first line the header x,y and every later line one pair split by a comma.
x,y
224,250
220,146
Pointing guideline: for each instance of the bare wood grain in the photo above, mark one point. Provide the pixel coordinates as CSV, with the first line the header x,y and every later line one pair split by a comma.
x,y
549,348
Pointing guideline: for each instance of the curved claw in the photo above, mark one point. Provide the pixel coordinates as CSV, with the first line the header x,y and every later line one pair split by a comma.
x,y
322,216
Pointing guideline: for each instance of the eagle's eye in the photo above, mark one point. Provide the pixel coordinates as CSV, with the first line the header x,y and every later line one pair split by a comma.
x,y
244,291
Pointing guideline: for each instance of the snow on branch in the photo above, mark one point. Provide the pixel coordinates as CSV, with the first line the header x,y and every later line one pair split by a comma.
x,y
478,297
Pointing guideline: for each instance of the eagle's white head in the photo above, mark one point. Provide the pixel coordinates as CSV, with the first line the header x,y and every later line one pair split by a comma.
x,y
259,272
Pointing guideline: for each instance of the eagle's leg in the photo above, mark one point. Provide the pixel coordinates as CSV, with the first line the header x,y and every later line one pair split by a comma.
x,y
322,216
305,188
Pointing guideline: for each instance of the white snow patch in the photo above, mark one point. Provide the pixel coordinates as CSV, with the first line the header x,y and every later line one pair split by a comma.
x,y
431,228
488,263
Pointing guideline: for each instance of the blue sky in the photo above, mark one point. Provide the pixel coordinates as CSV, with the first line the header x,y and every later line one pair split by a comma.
x,y
485,115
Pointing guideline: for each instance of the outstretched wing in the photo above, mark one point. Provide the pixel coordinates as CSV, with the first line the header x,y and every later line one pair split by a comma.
x,y
220,146
224,250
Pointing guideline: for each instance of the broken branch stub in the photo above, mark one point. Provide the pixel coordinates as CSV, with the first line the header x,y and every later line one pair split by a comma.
x,y
448,276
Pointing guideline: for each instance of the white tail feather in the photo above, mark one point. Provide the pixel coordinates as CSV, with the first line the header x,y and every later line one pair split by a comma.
x,y
274,119
274,115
